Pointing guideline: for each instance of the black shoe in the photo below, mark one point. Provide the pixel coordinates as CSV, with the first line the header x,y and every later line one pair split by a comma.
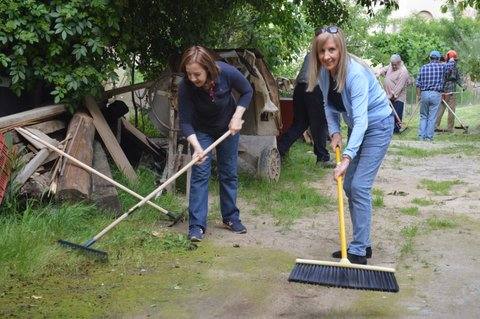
x,y
338,253
355,259
236,227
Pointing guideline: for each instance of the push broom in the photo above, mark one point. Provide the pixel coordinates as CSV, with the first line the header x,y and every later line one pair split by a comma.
x,y
343,274
86,246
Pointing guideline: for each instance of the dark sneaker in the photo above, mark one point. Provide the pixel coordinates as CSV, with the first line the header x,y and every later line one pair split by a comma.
x,y
355,259
195,233
236,227
338,253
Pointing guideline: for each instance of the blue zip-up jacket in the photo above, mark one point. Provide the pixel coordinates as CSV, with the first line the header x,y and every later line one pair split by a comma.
x,y
365,103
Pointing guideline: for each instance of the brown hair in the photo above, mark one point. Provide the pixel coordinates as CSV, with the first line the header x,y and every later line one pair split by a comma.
x,y
200,55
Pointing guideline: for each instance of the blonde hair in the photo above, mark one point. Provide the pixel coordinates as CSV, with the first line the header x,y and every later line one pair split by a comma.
x,y
315,64
318,43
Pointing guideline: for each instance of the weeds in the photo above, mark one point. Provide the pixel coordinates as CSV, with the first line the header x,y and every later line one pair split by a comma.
x,y
408,233
439,188
423,201
436,223
410,211
377,200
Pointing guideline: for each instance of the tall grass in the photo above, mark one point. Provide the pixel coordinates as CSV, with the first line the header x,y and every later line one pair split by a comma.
x,y
28,235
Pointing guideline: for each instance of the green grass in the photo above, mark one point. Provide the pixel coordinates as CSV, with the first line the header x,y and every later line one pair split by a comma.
x,y
468,114
408,233
416,152
423,201
377,198
439,187
291,197
436,223
145,125
27,236
410,211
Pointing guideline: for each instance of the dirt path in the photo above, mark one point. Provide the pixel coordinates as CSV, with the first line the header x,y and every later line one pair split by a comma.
x,y
437,265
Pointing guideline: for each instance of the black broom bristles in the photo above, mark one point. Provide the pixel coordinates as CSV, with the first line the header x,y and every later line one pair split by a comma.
x,y
102,255
344,277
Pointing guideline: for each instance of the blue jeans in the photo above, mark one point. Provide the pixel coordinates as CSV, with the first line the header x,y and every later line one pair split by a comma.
x,y
398,106
359,181
227,155
429,102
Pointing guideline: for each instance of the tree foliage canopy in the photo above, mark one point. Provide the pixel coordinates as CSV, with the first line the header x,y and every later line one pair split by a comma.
x,y
76,45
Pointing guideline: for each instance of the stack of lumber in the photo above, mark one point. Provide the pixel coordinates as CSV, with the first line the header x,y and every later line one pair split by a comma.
x,y
86,136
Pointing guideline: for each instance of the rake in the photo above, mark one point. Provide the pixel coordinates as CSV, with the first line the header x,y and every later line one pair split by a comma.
x,y
86,247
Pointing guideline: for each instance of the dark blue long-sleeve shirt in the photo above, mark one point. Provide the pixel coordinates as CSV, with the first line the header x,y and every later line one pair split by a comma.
x,y
199,112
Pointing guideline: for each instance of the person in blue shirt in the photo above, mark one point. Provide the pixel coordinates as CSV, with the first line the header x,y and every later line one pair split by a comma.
x,y
207,109
430,82
351,90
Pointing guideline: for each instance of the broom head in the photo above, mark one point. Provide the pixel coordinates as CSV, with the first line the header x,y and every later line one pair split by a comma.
x,y
344,274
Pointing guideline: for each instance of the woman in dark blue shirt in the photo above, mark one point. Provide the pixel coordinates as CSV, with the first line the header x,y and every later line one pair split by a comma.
x,y
207,109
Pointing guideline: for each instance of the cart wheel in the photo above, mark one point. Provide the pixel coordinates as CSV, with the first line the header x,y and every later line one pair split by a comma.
x,y
269,164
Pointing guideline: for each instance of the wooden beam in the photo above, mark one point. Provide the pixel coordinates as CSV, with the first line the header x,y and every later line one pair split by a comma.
x,y
139,137
109,139
47,127
104,193
31,167
125,89
75,183
29,117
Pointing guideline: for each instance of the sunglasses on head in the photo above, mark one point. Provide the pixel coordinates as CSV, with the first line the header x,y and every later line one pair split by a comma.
x,y
331,29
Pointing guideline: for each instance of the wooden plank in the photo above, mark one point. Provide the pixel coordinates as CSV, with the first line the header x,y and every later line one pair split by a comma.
x,y
39,145
104,193
109,139
36,115
47,127
31,167
139,136
41,135
125,89
75,183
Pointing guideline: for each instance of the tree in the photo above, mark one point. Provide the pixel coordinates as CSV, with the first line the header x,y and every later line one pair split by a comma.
x,y
68,44
75,46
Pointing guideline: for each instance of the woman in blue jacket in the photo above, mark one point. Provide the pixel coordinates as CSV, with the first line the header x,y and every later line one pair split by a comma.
x,y
351,89
207,110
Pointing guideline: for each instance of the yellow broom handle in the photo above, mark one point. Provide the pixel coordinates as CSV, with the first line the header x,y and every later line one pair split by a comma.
x,y
341,218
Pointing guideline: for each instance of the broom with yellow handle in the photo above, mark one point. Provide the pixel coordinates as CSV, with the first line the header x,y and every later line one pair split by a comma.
x,y
343,274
